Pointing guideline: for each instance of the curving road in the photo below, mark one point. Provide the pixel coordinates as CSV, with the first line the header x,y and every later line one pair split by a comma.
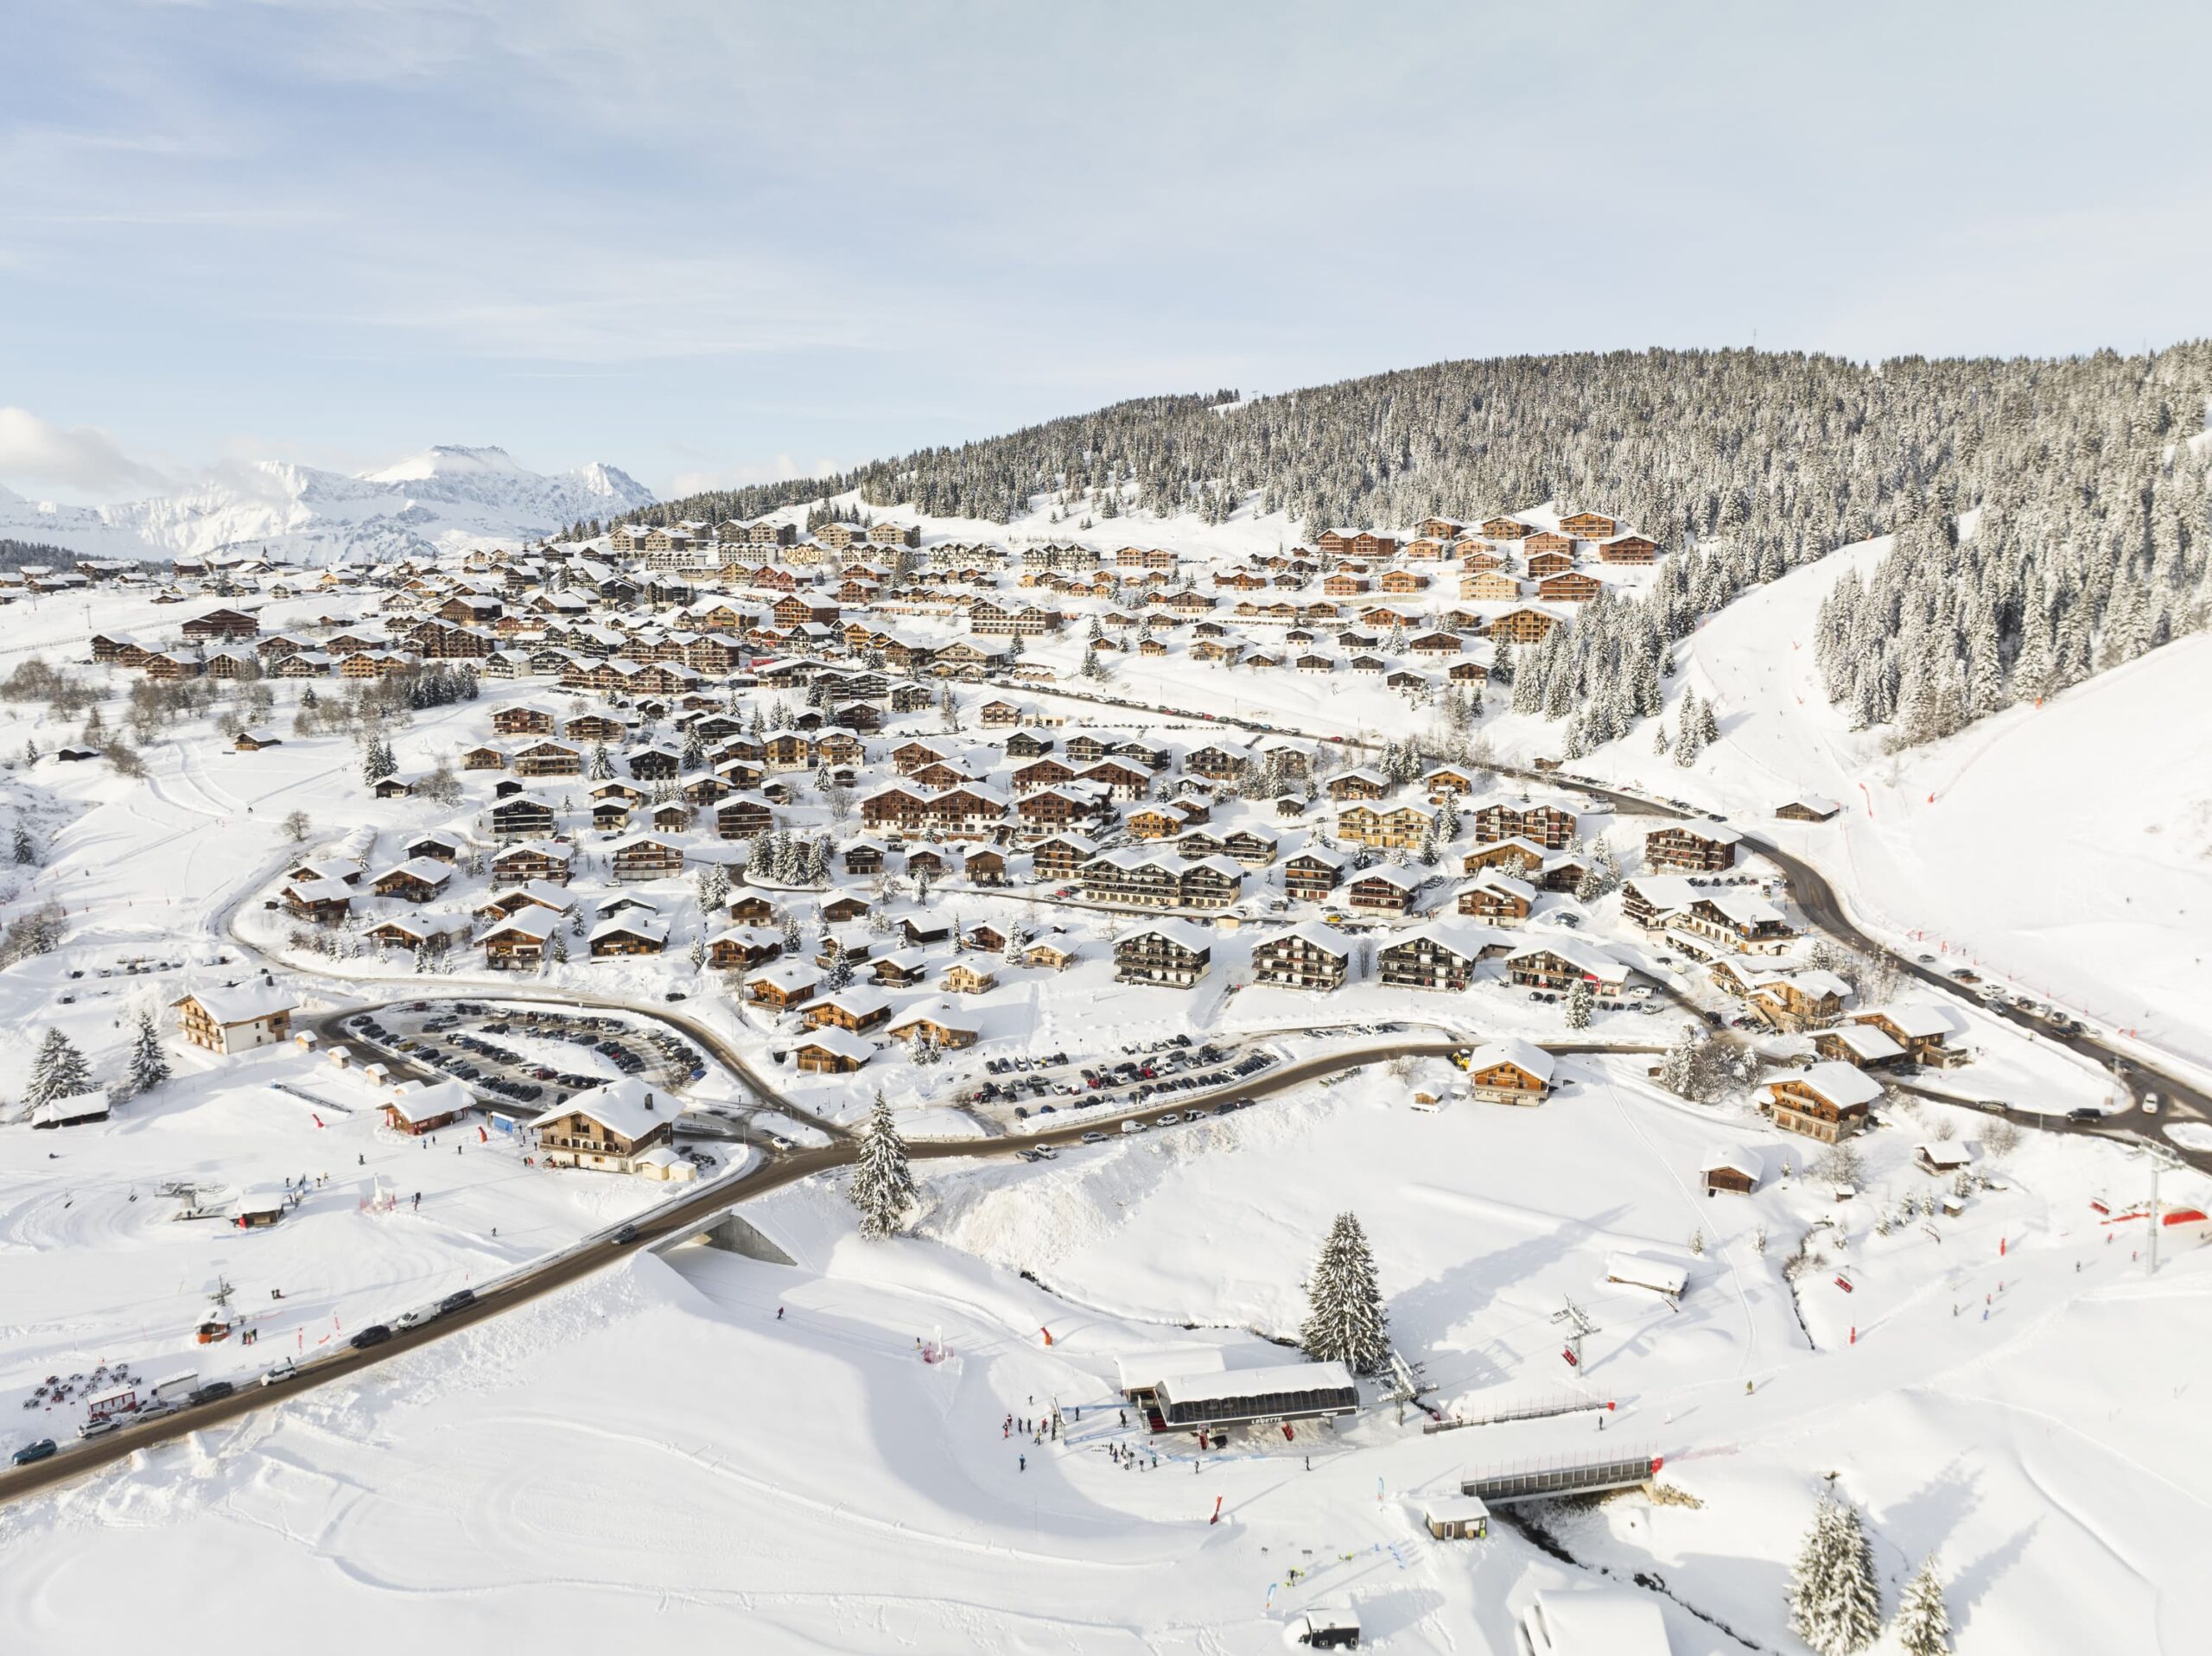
x,y
1824,907
668,1221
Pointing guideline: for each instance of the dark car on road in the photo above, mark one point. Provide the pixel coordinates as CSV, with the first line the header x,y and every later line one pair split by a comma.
x,y
375,1334
214,1392
30,1452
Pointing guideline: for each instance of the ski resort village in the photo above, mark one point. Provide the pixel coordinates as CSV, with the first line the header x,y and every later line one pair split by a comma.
x,y
843,1072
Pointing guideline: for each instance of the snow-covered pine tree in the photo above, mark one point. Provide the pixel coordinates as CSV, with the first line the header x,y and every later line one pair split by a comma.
x,y
1344,1320
1923,1627
149,1065
882,1187
1578,1004
1835,1605
58,1070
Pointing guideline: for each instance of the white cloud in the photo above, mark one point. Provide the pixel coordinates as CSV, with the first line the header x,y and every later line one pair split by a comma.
x,y
76,459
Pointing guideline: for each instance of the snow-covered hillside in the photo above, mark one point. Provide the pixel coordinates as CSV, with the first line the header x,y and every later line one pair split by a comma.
x,y
2066,848
443,499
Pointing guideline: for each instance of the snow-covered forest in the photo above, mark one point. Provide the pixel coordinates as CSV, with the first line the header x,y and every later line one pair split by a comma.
x,y
2092,554
2092,516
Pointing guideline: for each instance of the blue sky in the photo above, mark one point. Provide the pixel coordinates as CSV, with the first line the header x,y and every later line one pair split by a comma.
x,y
715,242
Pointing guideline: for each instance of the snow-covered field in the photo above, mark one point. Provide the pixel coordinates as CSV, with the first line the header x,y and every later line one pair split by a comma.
x,y
659,1443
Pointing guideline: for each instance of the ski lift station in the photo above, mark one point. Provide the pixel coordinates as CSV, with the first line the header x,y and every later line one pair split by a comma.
x,y
1251,1396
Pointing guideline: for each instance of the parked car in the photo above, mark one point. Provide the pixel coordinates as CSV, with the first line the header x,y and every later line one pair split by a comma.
x,y
284,1371
1094,1137
1133,1126
375,1334
101,1428
214,1392
29,1452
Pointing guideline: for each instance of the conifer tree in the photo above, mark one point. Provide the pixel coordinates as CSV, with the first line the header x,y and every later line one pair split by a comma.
x,y
149,1065
1578,1004
1923,1627
58,1070
26,851
882,1187
1835,1604
1345,1321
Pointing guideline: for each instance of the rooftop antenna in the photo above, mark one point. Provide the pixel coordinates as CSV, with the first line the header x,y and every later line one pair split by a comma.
x,y
1579,1327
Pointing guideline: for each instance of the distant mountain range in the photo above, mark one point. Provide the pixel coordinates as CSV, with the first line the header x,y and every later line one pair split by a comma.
x,y
443,499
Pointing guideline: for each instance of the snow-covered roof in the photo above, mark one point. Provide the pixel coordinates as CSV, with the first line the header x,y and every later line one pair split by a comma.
x,y
319,891
1592,962
1227,1385
1640,1270
1842,1084
533,922
242,1005
1815,982
628,1106
1866,1042
1524,1056
1496,880
1746,1162
1139,1370
1181,933
1819,804
1945,1157
1327,939
429,870
77,1106
939,1011
412,1101
1601,1621
839,1043
1743,908
1917,1019
787,976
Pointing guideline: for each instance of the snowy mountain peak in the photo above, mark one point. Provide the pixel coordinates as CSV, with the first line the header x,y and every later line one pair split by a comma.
x,y
447,459
446,497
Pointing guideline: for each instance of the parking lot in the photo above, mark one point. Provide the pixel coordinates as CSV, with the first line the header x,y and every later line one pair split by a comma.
x,y
536,1056
1019,1088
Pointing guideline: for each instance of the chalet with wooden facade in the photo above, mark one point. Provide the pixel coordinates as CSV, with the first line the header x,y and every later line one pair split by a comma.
x,y
1829,1101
